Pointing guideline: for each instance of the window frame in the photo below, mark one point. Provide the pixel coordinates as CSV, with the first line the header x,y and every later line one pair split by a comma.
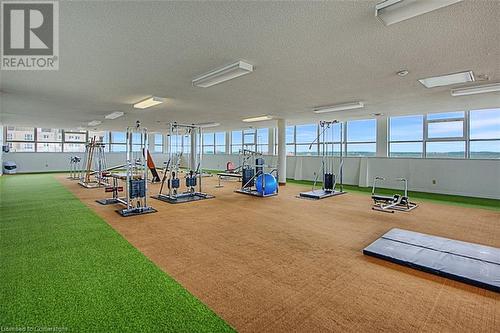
x,y
389,141
346,142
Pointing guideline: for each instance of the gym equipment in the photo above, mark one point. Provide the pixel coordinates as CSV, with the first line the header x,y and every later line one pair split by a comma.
x,y
327,135
254,179
9,167
94,162
193,175
389,204
74,167
152,168
135,177
231,172
470,263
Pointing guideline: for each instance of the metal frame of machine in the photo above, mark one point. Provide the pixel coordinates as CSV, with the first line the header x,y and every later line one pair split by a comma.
x,y
94,163
74,167
250,172
135,177
389,204
194,174
329,185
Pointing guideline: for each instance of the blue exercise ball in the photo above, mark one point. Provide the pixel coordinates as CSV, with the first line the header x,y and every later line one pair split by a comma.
x,y
270,184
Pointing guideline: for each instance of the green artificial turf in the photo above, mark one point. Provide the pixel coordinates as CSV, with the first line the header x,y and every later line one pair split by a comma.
x,y
457,200
63,268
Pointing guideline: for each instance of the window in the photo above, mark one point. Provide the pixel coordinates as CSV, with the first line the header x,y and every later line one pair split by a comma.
x,y
175,144
290,140
208,143
263,140
406,136
75,136
446,135
186,143
18,147
21,139
48,147
361,138
332,137
220,142
74,147
157,143
137,142
101,136
49,135
236,142
484,133
118,142
446,149
304,136
74,141
49,140
249,139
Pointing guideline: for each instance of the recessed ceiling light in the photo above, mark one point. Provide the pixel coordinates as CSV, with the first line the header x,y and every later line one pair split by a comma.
x,y
485,88
402,73
149,102
339,107
95,123
377,114
260,118
207,125
114,115
448,79
394,11
223,74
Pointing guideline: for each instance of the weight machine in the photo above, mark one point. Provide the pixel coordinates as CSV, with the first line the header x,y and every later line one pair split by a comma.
x,y
254,180
389,204
94,162
330,179
74,167
193,176
135,177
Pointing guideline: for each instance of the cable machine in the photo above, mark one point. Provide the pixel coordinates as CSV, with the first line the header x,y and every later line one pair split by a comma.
x,y
330,179
193,175
135,176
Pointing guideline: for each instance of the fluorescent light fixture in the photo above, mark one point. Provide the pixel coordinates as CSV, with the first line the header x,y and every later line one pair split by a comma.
x,y
223,74
207,125
260,118
339,107
95,123
485,88
149,102
448,79
394,11
114,115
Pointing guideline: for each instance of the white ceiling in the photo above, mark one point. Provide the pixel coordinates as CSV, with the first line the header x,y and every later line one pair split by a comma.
x,y
305,54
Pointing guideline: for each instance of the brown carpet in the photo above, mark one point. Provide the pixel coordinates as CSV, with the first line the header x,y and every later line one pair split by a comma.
x,y
283,264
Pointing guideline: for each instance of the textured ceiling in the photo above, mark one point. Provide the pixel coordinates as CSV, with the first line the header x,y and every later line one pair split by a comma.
x,y
305,54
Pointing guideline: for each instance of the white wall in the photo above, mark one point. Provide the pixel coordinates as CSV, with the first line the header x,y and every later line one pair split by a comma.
x,y
478,178
47,162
